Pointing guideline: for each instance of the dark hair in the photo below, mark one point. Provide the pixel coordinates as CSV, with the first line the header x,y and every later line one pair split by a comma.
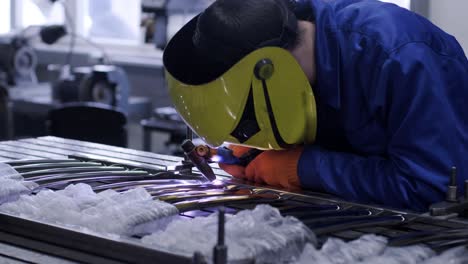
x,y
230,29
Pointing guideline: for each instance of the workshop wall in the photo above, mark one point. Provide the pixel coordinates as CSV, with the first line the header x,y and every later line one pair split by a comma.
x,y
451,17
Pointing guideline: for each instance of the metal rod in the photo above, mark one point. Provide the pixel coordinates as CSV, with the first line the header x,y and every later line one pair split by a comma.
x,y
452,188
466,190
453,176
153,184
181,196
310,209
141,174
220,250
70,170
55,184
429,236
216,201
330,215
186,158
355,223
221,226
189,133
43,166
38,161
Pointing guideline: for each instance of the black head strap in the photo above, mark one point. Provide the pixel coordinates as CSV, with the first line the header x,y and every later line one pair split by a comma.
x,y
289,27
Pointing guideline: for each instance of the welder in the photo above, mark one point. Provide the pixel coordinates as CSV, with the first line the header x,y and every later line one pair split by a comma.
x,y
361,99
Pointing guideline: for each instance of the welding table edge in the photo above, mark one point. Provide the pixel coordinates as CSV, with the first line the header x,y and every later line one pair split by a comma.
x,y
78,246
303,196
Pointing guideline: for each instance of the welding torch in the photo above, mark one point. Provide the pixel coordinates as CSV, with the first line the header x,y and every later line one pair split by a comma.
x,y
226,155
202,155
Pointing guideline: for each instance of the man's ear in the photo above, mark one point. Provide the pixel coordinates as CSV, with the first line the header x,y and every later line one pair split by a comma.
x,y
304,50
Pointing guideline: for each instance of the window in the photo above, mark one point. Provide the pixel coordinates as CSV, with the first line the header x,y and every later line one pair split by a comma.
x,y
403,3
4,16
181,12
39,12
115,21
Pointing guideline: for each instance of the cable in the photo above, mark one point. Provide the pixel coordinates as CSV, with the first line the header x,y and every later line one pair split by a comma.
x,y
71,24
105,56
74,35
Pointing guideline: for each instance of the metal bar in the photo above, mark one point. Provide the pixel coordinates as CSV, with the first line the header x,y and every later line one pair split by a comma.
x,y
18,149
71,170
429,236
127,163
71,244
4,160
46,178
82,180
87,148
14,156
124,186
330,215
310,208
388,232
441,247
43,166
93,151
185,196
38,161
359,223
113,149
228,200
166,191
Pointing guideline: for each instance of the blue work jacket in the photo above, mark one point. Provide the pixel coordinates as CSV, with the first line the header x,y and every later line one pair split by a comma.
x,y
392,94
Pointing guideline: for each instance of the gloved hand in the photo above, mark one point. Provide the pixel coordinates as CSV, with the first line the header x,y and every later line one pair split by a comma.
x,y
273,167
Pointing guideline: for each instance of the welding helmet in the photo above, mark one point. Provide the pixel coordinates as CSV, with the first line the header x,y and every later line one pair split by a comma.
x,y
263,100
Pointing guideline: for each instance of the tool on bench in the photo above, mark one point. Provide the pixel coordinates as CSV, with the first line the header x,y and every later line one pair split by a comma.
x,y
226,155
200,156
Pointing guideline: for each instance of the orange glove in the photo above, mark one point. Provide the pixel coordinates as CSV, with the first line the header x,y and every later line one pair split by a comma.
x,y
273,167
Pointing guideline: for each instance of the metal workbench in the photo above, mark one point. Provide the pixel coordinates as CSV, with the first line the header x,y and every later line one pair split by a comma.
x,y
26,241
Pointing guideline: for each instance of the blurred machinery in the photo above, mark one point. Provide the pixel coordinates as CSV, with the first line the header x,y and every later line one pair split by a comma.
x,y
6,120
28,102
94,122
18,60
171,15
106,84
165,120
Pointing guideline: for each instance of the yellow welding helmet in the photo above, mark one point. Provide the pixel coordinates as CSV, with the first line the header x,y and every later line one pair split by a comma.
x,y
264,100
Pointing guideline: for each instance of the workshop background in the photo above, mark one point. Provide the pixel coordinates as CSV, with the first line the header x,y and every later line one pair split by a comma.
x,y
51,66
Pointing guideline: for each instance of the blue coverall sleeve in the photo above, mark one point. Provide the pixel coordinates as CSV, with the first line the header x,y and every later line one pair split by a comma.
x,y
419,99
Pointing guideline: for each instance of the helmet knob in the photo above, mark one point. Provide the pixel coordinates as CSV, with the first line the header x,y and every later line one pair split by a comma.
x,y
264,69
